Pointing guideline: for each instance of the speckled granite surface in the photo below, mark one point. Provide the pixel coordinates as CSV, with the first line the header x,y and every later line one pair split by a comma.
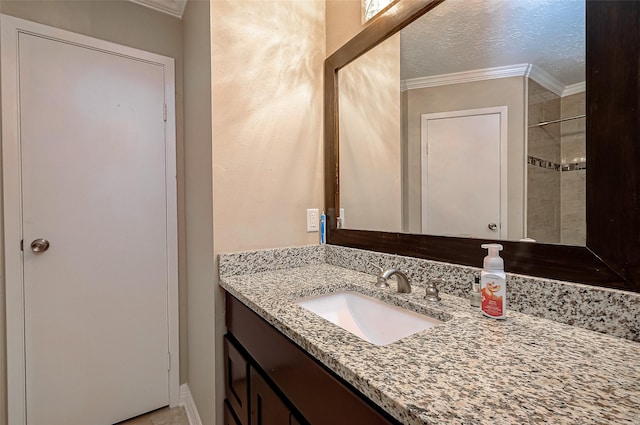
x,y
247,262
469,370
603,310
609,311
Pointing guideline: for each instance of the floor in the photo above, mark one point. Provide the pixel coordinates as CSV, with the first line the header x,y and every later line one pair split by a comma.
x,y
164,416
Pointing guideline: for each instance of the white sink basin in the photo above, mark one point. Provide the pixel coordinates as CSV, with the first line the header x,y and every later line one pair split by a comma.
x,y
368,318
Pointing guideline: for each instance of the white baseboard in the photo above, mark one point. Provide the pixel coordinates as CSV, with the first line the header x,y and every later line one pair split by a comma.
x,y
186,401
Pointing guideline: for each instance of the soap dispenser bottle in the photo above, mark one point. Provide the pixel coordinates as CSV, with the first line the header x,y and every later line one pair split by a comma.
x,y
493,284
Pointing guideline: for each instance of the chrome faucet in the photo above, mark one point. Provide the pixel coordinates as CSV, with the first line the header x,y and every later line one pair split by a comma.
x,y
404,287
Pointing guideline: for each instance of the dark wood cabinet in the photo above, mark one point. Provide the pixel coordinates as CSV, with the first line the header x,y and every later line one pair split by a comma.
x,y
249,398
267,408
236,381
229,416
286,386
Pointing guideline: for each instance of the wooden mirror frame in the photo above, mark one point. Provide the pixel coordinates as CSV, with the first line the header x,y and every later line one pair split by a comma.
x,y
611,257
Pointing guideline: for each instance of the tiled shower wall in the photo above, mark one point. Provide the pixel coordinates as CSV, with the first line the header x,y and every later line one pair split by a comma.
x,y
543,180
556,168
573,184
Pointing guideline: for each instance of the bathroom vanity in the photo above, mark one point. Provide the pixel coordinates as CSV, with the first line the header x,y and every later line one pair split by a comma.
x,y
270,380
292,366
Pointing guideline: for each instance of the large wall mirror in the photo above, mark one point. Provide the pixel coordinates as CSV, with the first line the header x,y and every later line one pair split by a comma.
x,y
449,123
479,132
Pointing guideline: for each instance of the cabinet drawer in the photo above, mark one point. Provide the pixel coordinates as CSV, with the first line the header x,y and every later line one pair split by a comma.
x,y
236,381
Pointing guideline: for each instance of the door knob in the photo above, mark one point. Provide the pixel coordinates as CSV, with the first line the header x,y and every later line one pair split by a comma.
x,y
39,245
492,226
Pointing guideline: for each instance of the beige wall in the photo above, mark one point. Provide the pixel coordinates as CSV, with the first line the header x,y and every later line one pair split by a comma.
x,y
508,92
370,157
199,206
404,154
343,19
130,25
267,121
267,93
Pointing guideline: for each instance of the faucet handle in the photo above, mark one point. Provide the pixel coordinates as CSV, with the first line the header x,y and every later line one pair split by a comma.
x,y
381,282
432,293
380,269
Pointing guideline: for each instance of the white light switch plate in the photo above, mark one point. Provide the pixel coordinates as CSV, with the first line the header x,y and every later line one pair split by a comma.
x,y
313,220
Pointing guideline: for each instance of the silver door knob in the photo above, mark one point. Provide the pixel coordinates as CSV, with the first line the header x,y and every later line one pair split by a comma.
x,y
39,245
492,226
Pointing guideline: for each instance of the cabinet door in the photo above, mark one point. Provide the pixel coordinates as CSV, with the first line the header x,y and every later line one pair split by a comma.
x,y
266,406
229,416
235,381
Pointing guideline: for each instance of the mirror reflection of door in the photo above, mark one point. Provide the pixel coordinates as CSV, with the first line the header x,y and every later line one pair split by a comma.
x,y
464,173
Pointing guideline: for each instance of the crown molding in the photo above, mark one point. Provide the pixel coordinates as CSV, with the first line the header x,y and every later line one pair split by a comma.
x,y
574,89
545,79
519,70
170,7
467,76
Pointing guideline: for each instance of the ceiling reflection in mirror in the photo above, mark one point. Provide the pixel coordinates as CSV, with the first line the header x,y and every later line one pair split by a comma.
x,y
469,123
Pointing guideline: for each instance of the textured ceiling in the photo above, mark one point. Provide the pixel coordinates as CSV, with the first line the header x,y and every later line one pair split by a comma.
x,y
464,35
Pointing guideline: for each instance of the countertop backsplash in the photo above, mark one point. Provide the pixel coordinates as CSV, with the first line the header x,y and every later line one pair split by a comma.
x,y
267,260
604,310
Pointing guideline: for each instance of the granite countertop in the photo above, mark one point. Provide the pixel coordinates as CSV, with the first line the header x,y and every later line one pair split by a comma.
x,y
469,370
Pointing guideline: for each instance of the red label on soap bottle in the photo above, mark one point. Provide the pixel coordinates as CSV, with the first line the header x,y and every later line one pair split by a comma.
x,y
492,304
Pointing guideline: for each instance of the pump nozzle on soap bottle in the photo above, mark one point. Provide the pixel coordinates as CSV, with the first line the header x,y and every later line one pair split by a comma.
x,y
475,299
493,284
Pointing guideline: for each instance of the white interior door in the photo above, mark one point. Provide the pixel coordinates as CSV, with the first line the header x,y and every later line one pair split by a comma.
x,y
94,183
464,173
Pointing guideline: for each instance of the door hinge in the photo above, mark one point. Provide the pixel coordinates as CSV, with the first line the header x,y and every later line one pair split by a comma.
x,y
169,365
21,244
164,112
